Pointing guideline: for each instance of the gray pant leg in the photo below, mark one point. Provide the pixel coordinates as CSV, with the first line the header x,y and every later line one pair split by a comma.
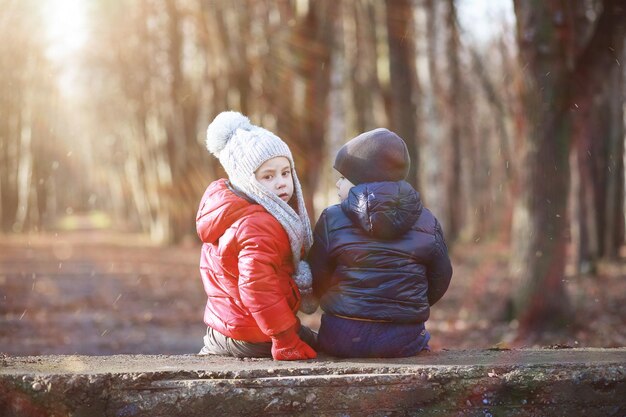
x,y
216,343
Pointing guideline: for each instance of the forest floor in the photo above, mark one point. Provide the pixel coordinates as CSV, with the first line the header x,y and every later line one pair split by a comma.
x,y
99,293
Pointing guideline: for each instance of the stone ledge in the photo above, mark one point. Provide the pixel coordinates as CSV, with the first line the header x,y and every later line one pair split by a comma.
x,y
528,382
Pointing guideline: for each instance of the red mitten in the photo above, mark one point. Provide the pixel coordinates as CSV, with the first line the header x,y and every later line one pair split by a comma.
x,y
287,346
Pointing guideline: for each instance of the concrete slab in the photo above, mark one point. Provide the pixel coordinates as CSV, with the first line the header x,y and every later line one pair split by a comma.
x,y
529,382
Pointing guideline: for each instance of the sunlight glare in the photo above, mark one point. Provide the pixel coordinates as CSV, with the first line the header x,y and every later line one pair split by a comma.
x,y
483,19
66,26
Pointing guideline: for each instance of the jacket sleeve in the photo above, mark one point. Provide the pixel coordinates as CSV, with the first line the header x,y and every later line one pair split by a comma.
x,y
322,266
259,281
201,224
439,268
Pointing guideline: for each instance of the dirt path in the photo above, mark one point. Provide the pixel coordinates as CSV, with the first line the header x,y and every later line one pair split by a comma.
x,y
96,292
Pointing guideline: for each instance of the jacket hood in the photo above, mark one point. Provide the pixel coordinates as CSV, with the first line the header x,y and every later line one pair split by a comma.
x,y
383,209
221,206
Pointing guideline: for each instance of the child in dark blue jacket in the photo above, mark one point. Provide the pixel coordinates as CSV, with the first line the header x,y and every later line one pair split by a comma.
x,y
379,259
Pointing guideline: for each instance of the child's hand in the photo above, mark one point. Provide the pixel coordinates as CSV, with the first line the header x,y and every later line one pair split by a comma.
x,y
287,346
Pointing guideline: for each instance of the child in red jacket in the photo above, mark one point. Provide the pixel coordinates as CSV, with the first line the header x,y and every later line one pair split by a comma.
x,y
255,231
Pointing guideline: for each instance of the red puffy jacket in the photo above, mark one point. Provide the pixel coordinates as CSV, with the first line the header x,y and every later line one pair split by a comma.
x,y
246,267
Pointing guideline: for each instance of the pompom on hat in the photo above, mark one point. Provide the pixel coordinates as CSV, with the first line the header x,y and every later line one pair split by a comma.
x,y
242,148
223,127
374,156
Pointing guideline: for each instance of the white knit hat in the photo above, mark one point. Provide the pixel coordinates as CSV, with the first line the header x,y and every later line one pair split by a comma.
x,y
242,148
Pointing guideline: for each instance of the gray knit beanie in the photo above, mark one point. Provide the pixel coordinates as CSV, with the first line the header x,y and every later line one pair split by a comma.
x,y
242,148
373,156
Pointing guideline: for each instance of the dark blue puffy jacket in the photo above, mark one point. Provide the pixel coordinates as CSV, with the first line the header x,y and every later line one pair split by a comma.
x,y
380,255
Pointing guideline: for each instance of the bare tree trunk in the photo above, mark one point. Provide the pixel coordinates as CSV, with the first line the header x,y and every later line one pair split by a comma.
x,y
7,199
455,92
614,225
366,87
403,79
584,224
24,170
337,112
181,120
278,88
243,66
212,92
434,158
498,106
539,239
10,158
504,162
599,132
175,122
566,67
612,217
320,26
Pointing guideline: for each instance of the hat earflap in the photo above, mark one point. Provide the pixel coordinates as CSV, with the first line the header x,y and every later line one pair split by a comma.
x,y
304,281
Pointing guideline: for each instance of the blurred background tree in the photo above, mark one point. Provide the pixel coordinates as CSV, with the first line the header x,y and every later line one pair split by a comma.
x,y
570,53
517,136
